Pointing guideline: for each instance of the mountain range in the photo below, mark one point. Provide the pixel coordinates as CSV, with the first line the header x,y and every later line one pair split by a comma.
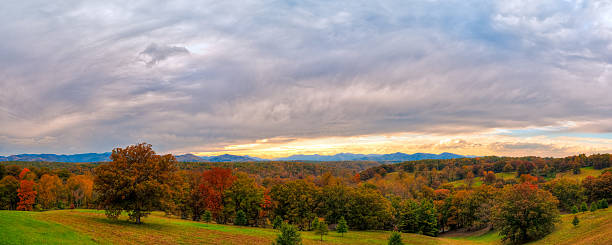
x,y
103,157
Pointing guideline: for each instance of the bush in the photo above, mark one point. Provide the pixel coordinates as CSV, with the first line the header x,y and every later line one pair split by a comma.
x,y
277,223
575,221
395,239
603,203
240,218
289,236
594,206
575,209
207,216
584,207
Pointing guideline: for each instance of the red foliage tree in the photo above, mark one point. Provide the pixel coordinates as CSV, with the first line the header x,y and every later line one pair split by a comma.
x,y
26,192
213,184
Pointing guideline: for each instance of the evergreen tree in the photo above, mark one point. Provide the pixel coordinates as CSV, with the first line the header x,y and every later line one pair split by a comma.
x,y
594,206
277,223
428,219
314,225
207,216
289,236
342,226
240,218
575,221
395,239
584,207
603,203
409,217
575,209
321,229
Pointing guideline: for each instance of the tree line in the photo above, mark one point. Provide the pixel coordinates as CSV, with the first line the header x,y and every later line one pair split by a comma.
x,y
414,199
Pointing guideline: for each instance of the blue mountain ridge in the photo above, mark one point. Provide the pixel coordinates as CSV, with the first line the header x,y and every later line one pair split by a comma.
x,y
104,157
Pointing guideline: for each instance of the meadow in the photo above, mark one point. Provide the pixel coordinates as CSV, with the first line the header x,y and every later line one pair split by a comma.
x,y
92,227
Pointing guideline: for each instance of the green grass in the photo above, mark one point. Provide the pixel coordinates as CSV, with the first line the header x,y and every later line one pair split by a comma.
x,y
23,228
594,228
92,227
584,172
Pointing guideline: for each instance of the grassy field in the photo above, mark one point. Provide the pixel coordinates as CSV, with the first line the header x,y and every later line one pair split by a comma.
x,y
92,227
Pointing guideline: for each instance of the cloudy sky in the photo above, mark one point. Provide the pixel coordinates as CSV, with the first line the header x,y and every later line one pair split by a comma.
x,y
275,78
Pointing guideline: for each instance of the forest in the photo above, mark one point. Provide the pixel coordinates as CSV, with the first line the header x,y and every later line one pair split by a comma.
x,y
519,197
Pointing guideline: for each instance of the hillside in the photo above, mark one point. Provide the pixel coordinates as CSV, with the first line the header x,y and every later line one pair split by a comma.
x,y
92,227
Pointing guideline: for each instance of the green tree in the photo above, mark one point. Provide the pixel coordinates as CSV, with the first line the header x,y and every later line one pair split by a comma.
x,y
243,195
575,221
207,216
289,235
584,207
240,218
428,219
395,239
314,225
594,206
136,180
568,192
8,192
575,209
321,229
342,226
277,223
295,201
603,203
409,219
525,212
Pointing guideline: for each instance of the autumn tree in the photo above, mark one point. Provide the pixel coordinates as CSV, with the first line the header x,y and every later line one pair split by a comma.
x,y
245,196
489,177
8,192
50,191
80,190
597,188
295,201
26,192
212,186
525,212
136,180
568,192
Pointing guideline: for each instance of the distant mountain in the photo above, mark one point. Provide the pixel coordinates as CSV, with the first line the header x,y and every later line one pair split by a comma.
x,y
394,157
189,158
104,157
229,158
85,157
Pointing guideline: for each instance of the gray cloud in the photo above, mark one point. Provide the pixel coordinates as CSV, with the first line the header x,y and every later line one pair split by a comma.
x,y
72,71
155,53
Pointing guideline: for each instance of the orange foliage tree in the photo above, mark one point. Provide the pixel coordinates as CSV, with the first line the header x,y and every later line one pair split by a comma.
x,y
26,192
213,184
50,190
80,189
137,181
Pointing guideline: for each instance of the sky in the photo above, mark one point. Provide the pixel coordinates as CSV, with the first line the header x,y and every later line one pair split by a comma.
x,y
276,78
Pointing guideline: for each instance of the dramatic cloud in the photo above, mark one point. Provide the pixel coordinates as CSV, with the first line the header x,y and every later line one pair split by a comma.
x,y
493,77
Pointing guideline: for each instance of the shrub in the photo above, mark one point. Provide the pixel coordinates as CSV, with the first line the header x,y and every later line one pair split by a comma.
x,y
395,239
289,236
